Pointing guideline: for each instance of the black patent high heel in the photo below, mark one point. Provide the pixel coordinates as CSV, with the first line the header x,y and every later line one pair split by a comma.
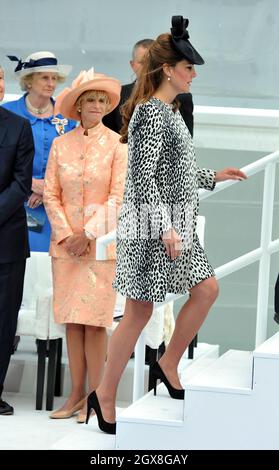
x,y
158,374
93,404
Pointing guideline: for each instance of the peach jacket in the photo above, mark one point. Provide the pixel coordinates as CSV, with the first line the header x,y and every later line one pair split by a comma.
x,y
84,185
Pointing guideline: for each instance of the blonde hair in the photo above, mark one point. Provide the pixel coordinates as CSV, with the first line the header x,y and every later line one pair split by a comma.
x,y
26,81
95,94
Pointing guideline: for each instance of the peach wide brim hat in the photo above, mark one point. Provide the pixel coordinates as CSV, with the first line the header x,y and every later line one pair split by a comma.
x,y
87,81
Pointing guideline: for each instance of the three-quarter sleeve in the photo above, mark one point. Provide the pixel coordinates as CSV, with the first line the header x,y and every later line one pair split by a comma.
x,y
60,227
206,178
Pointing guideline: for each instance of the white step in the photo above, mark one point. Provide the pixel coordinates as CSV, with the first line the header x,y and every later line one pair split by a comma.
x,y
161,422
269,348
162,409
231,373
224,407
89,437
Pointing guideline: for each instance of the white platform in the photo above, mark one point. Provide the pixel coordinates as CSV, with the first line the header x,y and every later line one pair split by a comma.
x,y
31,429
230,404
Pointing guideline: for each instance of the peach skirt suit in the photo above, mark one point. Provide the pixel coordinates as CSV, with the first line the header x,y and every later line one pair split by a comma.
x,y
84,187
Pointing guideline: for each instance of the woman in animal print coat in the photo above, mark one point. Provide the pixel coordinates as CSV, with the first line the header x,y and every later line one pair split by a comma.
x,y
157,247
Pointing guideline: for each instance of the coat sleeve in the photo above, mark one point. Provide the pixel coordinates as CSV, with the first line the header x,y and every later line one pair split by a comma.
x,y
60,227
14,195
105,218
206,178
147,147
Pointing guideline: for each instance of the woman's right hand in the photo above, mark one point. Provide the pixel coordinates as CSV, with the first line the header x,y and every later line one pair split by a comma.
x,y
173,243
35,200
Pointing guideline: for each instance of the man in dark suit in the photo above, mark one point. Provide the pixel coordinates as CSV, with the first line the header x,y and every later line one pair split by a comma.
x,y
16,161
114,120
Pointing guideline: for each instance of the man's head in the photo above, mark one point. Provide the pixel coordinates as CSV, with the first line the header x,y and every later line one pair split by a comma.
x,y
2,84
138,53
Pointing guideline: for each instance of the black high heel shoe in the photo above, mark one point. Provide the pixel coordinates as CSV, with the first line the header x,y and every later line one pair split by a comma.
x,y
158,374
93,404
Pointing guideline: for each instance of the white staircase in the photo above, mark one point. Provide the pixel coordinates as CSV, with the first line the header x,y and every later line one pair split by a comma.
x,y
230,404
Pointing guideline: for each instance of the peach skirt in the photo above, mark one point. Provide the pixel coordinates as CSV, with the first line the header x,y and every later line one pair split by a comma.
x,y
83,291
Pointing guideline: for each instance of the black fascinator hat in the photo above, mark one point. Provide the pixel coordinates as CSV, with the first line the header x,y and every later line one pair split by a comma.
x,y
180,40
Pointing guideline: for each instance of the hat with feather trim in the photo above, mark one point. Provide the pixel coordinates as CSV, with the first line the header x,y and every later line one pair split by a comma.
x,y
85,81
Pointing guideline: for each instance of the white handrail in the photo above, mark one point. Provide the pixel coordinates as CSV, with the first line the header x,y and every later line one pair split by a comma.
x,y
273,246
244,260
249,170
262,254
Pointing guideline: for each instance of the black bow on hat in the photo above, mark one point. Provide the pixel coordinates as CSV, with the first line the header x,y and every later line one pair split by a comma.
x,y
21,64
180,40
32,63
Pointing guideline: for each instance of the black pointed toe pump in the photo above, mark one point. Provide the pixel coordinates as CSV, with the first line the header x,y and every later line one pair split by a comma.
x,y
158,374
93,404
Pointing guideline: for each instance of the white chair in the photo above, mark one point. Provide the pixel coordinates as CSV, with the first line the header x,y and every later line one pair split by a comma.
x,y
35,319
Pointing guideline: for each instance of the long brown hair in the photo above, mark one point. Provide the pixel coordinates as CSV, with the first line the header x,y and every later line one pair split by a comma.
x,y
160,52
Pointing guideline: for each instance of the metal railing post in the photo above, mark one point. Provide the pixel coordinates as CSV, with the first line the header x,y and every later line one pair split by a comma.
x,y
264,266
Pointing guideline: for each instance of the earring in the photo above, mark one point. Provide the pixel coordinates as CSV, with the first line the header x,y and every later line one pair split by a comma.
x,y
79,110
168,79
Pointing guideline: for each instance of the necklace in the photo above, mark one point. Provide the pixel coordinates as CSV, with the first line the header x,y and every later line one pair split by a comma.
x,y
36,110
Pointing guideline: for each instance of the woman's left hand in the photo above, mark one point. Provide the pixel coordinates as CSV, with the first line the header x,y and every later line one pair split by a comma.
x,y
230,174
77,244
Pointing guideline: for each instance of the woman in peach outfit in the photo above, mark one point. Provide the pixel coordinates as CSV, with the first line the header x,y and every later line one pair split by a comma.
x,y
83,190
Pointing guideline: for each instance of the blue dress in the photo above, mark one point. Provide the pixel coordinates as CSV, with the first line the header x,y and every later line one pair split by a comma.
x,y
44,131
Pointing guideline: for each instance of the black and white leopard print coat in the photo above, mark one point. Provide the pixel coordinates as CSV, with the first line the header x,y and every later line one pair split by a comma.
x,y
161,192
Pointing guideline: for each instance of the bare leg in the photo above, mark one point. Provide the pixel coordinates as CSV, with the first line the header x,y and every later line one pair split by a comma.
x,y
95,353
121,346
75,346
188,322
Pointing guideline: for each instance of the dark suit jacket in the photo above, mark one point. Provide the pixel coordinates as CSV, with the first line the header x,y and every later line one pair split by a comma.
x,y
114,120
16,162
